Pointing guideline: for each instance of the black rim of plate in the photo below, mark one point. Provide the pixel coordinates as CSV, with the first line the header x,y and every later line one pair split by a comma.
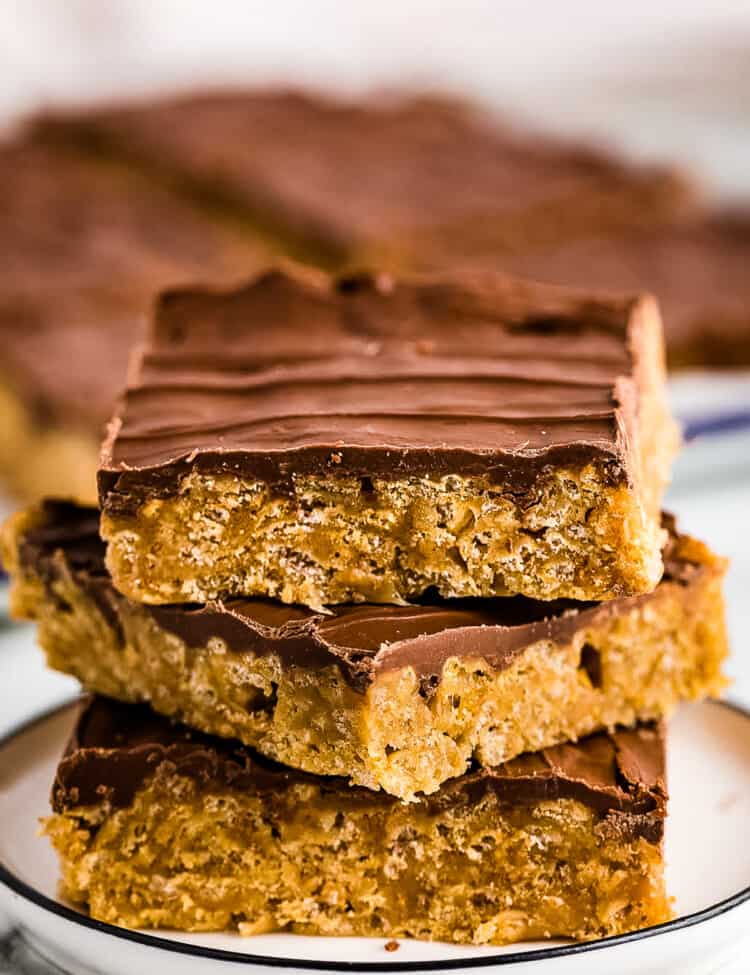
x,y
220,954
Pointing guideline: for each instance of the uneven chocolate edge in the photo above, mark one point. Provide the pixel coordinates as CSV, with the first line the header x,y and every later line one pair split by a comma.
x,y
117,748
123,492
523,305
362,641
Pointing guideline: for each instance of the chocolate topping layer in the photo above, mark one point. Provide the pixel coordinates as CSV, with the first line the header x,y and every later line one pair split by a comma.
x,y
85,245
361,640
345,177
475,374
698,272
116,748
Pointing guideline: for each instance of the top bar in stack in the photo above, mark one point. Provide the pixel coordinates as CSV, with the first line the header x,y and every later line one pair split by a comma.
x,y
322,441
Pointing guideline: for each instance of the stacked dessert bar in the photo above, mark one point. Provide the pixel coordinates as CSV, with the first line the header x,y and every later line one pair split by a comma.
x,y
104,208
385,612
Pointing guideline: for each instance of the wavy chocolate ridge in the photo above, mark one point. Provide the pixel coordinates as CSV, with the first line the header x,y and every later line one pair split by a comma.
x,y
296,373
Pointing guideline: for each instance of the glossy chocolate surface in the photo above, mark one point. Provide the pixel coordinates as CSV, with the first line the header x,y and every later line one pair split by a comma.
x,y
368,376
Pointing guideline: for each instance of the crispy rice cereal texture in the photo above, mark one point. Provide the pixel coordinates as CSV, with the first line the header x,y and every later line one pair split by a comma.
x,y
187,520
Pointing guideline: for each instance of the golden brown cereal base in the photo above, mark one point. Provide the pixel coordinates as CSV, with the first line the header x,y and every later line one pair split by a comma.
x,y
333,542
39,460
659,650
314,863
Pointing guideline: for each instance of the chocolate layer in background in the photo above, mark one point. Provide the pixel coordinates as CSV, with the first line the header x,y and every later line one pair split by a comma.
x,y
698,271
116,748
380,179
361,640
298,373
435,182
86,244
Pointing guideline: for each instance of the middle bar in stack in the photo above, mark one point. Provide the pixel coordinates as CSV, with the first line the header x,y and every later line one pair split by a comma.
x,y
398,698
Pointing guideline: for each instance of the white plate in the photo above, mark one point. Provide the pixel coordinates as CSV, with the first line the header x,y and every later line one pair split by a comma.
x,y
708,873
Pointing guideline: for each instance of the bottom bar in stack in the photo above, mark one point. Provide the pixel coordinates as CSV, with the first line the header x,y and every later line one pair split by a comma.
x,y
158,825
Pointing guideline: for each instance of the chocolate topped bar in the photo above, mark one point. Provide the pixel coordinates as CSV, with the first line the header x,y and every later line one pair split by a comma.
x,y
158,825
296,374
697,270
326,410
116,748
381,179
